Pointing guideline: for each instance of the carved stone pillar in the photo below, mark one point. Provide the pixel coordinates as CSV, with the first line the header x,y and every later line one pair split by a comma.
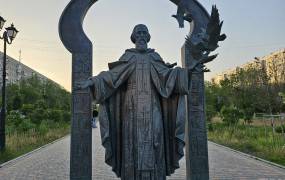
x,y
197,164
73,37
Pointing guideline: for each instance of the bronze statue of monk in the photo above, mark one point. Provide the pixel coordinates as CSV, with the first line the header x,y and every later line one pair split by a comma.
x,y
142,111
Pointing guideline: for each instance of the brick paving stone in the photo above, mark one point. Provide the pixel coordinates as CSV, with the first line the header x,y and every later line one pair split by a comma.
x,y
52,163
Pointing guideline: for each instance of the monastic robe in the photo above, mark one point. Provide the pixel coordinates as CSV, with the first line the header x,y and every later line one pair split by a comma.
x,y
142,115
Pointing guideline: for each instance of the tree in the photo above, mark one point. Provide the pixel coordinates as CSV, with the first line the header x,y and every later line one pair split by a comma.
x,y
36,103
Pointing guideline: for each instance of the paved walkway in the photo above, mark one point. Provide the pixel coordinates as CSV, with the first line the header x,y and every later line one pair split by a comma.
x,y
52,163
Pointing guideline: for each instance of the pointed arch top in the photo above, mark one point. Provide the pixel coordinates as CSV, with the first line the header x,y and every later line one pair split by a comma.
x,y
75,40
71,30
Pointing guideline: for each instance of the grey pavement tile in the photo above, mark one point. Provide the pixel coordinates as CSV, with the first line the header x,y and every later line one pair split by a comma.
x,y
52,163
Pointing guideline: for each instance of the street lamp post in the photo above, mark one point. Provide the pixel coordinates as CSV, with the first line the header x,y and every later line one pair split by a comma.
x,y
8,36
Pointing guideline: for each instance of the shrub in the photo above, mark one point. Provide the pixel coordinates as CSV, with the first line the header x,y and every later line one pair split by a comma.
x,y
26,125
41,104
43,127
66,116
14,118
210,112
231,115
55,115
278,129
210,127
38,115
248,115
17,102
27,109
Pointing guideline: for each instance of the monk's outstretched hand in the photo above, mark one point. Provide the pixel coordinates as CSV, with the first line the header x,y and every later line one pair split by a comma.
x,y
83,84
199,66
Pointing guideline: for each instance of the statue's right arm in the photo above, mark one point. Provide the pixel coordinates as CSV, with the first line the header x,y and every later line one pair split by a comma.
x,y
106,83
83,84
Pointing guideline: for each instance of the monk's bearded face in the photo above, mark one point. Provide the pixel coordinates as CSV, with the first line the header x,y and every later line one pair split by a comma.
x,y
141,36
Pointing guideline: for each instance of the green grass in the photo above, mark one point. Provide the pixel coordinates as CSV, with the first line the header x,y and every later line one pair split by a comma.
x,y
19,143
251,140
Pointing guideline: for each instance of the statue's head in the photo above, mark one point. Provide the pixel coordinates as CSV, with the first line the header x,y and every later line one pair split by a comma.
x,y
140,37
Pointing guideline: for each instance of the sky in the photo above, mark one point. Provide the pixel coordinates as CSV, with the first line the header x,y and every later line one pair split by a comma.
x,y
254,28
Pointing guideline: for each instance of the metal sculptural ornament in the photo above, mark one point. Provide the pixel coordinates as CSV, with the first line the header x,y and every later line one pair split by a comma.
x,y
145,150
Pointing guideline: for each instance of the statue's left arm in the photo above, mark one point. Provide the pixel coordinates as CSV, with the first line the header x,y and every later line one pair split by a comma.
x,y
169,80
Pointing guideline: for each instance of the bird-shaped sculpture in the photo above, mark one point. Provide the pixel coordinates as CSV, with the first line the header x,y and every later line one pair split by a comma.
x,y
208,39
214,30
182,15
